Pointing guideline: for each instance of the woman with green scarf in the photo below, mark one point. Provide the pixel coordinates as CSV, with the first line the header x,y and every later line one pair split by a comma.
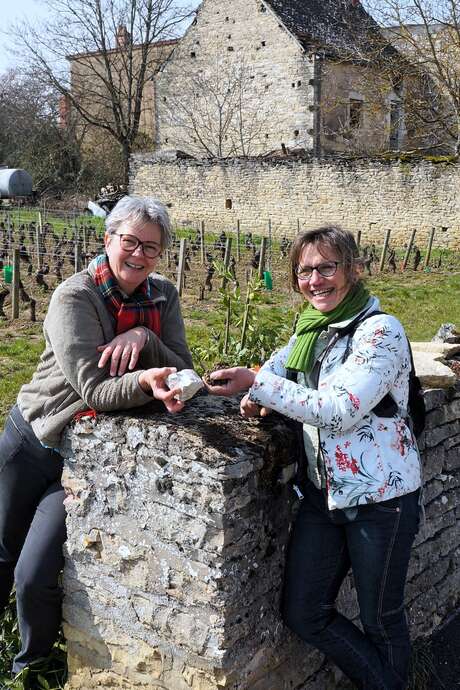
x,y
344,377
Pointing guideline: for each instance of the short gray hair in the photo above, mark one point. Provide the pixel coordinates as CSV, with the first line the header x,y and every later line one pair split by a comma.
x,y
138,210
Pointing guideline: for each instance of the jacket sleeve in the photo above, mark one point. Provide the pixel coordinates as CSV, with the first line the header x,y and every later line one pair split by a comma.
x,y
350,390
172,349
276,364
73,330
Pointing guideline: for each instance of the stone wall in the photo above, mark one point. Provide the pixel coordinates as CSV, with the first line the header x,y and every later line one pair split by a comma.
x,y
235,57
177,530
366,195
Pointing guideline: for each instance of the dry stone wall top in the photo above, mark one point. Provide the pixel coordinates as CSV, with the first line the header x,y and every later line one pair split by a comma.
x,y
177,528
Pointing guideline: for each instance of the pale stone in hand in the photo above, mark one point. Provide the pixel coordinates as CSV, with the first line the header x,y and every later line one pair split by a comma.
x,y
188,381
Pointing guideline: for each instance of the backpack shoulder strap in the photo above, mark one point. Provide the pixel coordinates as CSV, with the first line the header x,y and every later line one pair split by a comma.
x,y
349,330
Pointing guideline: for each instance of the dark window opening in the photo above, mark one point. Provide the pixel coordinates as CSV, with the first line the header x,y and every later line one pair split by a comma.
x,y
229,36
226,19
228,203
395,119
192,54
164,98
356,113
266,136
296,132
293,85
169,204
262,43
230,49
299,83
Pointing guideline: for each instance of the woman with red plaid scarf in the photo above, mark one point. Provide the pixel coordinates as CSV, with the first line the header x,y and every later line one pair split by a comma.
x,y
113,333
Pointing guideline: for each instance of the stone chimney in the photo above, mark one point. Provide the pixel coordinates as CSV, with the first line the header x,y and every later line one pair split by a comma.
x,y
123,37
64,112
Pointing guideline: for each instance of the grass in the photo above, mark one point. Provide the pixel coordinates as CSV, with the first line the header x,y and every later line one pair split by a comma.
x,y
18,359
421,301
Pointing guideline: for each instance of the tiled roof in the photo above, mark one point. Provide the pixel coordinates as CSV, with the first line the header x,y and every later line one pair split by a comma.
x,y
340,26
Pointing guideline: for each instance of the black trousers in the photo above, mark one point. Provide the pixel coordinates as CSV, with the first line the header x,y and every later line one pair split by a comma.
x,y
32,532
375,541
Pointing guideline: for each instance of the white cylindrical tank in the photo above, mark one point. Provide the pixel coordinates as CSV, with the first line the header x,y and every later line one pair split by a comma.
x,y
15,182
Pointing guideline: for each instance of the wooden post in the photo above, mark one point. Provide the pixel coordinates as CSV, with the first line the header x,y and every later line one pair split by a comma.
x,y
269,244
228,249
40,222
181,266
409,249
263,250
202,251
77,263
429,248
33,311
84,233
38,246
298,225
358,239
384,250
238,237
16,279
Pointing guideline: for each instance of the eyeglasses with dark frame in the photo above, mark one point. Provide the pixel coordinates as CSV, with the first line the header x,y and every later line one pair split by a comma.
x,y
130,243
327,270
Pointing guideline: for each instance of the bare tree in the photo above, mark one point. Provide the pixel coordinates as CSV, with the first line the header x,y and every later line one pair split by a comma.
x,y
30,137
215,113
113,52
428,34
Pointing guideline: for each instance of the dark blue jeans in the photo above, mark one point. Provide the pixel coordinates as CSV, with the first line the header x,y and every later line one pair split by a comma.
x,y
375,541
32,532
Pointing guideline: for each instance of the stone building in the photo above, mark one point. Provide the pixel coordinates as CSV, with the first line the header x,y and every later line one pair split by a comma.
x,y
93,74
255,76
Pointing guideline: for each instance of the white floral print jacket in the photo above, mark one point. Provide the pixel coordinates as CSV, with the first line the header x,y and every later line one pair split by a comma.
x,y
367,458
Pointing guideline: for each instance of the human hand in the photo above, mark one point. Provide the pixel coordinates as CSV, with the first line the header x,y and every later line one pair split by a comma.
x,y
123,351
154,381
237,379
248,408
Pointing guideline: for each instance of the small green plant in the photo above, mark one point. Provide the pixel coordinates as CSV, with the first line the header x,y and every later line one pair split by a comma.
x,y
246,333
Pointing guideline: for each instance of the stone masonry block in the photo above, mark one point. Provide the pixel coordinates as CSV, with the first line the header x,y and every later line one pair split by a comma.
x,y
177,534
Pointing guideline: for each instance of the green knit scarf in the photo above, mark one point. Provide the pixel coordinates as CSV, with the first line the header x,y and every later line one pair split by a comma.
x,y
311,322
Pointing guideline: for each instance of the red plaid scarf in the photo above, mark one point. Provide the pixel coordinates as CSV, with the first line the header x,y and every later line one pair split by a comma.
x,y
129,311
